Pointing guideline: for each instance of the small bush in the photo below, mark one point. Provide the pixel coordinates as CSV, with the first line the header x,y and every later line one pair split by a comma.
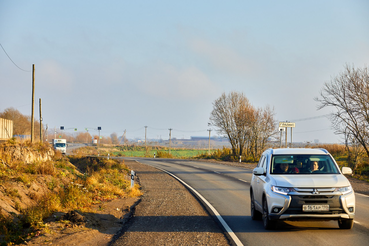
x,y
164,154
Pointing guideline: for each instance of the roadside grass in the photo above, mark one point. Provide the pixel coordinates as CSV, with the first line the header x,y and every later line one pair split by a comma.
x,y
174,153
140,151
65,187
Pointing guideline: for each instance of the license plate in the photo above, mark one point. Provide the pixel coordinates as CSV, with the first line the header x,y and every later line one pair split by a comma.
x,y
309,208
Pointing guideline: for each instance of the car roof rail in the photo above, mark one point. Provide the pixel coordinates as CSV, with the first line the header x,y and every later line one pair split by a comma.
x,y
324,150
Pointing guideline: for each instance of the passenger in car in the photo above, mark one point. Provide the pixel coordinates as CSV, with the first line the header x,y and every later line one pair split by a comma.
x,y
314,166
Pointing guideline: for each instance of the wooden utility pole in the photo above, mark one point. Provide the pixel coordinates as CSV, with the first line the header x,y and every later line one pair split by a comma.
x,y
33,104
145,137
170,138
40,122
286,137
209,139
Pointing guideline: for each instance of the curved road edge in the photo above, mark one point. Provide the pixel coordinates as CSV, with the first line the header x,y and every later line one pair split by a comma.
x,y
229,233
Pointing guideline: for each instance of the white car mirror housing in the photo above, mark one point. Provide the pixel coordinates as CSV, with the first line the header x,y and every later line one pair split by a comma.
x,y
346,170
258,171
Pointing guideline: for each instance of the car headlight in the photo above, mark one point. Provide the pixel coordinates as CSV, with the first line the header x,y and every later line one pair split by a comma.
x,y
282,190
344,190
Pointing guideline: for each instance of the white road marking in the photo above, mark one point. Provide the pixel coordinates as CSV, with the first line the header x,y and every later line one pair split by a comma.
x,y
235,239
361,194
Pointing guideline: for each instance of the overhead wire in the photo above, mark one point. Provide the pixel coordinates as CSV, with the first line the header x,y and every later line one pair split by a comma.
x,y
12,60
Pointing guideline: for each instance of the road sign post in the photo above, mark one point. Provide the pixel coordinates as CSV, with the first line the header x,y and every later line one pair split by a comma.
x,y
286,125
132,178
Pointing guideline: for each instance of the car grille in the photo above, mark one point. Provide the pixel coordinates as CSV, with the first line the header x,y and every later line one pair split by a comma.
x,y
306,196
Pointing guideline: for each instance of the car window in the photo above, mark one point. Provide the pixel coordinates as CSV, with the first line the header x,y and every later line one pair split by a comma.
x,y
303,164
260,161
263,164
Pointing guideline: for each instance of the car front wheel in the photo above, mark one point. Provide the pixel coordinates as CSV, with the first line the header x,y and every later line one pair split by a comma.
x,y
255,215
345,223
268,224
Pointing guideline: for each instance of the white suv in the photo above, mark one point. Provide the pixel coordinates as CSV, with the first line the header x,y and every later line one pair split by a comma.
x,y
301,184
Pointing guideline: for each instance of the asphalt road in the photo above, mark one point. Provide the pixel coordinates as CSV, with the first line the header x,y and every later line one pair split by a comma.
x,y
227,189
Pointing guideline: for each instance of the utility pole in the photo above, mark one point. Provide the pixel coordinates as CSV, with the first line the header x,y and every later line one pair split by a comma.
x,y
47,135
145,136
280,137
291,138
209,139
170,138
98,142
33,104
40,122
123,138
286,135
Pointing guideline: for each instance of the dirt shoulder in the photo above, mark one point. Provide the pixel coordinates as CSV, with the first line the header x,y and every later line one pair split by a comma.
x,y
167,214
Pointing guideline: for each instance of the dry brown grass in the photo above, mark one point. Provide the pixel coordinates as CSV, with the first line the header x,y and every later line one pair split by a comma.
x,y
60,187
334,149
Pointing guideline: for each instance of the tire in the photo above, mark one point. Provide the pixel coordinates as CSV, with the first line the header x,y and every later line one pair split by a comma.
x,y
268,224
255,215
345,223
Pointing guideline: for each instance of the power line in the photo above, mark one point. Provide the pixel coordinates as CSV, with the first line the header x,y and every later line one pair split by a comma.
x,y
190,131
12,60
314,131
311,118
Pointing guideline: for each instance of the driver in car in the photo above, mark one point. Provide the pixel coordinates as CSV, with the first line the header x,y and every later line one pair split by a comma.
x,y
284,168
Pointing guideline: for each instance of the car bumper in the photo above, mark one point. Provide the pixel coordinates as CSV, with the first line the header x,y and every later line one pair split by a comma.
x,y
290,207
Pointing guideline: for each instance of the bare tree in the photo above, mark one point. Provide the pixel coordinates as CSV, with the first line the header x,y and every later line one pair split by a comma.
x,y
232,114
354,150
264,127
245,127
348,94
83,137
114,138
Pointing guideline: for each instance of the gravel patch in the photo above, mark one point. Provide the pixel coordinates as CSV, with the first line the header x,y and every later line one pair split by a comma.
x,y
168,214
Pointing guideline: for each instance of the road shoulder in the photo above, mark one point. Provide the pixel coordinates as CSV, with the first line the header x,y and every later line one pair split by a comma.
x,y
168,214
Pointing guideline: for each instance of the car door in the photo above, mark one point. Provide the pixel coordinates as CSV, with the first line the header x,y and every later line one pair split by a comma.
x,y
259,182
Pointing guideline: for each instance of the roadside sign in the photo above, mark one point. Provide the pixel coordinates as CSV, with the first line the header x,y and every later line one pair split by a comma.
x,y
287,124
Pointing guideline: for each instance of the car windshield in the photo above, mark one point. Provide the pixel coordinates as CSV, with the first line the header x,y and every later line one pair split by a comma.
x,y
303,164
60,145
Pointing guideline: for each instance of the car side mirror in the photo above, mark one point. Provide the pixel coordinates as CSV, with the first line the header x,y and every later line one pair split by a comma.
x,y
258,171
346,170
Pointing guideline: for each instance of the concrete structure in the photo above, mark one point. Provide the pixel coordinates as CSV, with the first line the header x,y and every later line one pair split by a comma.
x,y
6,129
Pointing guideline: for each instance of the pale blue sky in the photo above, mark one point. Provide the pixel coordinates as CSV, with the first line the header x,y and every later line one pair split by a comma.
x,y
129,64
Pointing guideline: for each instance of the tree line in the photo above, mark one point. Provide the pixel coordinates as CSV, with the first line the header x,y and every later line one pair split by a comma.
x,y
22,127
